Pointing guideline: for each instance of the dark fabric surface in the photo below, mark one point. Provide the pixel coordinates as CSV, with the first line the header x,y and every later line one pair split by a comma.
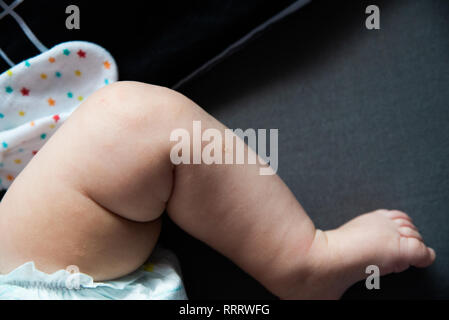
x,y
363,115
363,122
158,42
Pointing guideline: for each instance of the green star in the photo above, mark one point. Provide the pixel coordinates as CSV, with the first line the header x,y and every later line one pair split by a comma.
x,y
8,89
66,52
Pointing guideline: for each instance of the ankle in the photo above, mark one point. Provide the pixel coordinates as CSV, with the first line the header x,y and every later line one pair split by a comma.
x,y
309,269
321,274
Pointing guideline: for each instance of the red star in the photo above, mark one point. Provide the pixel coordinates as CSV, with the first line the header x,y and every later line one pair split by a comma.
x,y
81,53
34,152
56,118
25,91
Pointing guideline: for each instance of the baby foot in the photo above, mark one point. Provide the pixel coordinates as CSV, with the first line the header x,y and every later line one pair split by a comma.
x,y
385,238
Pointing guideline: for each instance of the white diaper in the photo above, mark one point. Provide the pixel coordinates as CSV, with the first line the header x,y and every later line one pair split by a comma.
x,y
36,97
158,279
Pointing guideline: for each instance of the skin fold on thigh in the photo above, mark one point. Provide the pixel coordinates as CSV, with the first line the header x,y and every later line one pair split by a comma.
x,y
57,227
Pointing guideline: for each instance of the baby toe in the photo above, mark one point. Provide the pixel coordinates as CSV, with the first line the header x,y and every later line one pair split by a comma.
x,y
410,233
404,223
396,214
432,254
417,253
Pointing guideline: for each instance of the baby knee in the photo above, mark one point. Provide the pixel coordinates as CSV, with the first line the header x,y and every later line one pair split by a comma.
x,y
139,106
129,122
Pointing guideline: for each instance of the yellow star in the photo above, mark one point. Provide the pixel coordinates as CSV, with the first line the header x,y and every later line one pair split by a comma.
x,y
9,73
21,113
77,73
148,267
43,76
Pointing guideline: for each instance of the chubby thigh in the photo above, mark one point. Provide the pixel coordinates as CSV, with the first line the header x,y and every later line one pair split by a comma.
x,y
57,233
87,198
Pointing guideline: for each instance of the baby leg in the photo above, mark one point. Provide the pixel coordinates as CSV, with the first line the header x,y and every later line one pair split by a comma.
x,y
93,195
108,168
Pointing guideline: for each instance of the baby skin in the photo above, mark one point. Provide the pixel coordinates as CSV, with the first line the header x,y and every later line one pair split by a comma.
x,y
93,197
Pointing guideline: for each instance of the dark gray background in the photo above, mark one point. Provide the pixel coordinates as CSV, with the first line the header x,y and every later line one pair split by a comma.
x,y
363,124
363,115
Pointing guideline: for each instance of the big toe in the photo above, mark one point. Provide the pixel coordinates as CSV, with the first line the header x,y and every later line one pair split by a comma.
x,y
416,253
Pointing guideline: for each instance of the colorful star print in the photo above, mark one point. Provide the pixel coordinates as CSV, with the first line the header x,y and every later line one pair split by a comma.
x,y
38,94
25,91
